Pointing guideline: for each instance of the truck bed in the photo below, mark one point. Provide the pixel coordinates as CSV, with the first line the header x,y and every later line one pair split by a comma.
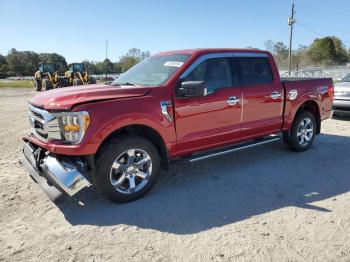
x,y
316,89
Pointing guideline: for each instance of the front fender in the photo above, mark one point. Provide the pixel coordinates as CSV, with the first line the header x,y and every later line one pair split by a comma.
x,y
160,125
109,116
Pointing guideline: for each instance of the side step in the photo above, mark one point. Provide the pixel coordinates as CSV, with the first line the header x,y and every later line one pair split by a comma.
x,y
226,150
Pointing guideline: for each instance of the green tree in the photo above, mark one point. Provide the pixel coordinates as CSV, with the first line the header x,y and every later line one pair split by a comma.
x,y
57,59
3,67
108,66
117,67
23,63
280,52
100,68
90,66
328,51
131,58
2,59
300,57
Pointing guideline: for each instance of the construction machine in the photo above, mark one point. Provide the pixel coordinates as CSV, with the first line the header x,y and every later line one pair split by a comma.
x,y
78,75
47,77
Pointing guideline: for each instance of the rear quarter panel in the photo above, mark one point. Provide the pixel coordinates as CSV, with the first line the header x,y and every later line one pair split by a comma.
x,y
312,89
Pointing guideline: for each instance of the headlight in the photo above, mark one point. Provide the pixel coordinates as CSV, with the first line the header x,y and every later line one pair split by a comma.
x,y
73,125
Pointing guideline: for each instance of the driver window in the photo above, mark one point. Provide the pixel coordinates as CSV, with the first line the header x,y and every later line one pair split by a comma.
x,y
215,72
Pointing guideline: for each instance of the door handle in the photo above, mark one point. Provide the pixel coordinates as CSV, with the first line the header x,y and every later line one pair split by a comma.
x,y
232,100
275,95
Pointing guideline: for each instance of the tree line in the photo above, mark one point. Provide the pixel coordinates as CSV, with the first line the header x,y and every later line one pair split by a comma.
x,y
25,63
327,51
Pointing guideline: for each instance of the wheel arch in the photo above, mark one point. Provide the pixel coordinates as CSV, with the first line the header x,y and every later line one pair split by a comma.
x,y
313,107
146,132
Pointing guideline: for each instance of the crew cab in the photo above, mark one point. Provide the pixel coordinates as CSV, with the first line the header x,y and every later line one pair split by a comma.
x,y
175,107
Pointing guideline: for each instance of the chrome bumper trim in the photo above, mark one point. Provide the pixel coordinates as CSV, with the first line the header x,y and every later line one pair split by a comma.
x,y
66,176
54,176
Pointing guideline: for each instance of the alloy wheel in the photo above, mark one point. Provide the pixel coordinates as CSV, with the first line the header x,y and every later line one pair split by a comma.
x,y
131,171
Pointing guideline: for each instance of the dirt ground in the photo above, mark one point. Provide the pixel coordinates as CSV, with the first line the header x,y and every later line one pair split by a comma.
x,y
262,204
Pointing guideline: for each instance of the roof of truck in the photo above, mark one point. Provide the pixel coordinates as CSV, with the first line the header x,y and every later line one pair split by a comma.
x,y
213,50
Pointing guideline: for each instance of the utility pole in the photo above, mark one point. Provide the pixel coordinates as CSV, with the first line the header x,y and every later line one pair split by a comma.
x,y
106,59
291,21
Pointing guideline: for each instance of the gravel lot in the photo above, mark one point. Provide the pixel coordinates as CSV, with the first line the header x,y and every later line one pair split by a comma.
x,y
261,204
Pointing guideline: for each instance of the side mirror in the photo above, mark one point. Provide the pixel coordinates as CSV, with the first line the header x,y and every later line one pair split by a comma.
x,y
192,89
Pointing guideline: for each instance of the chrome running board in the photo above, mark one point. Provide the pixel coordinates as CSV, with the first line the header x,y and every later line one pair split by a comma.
x,y
227,150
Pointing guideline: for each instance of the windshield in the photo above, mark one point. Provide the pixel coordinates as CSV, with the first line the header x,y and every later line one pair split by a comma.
x,y
49,68
346,78
78,68
153,71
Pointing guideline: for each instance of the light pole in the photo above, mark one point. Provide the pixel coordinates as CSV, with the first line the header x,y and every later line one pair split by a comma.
x,y
106,60
291,21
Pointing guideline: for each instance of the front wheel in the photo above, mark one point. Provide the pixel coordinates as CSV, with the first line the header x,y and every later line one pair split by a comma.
x,y
46,84
126,168
302,133
37,85
77,82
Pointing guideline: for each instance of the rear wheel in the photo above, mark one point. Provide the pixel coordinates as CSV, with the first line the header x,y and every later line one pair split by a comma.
x,y
302,133
46,84
77,82
37,85
126,168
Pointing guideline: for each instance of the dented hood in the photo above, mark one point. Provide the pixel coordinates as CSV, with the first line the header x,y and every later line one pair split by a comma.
x,y
67,97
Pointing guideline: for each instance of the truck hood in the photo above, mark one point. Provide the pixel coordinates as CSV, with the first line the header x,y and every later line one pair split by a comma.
x,y
67,97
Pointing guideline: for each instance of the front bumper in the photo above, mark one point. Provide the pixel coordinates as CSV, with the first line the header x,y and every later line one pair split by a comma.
x,y
341,107
56,177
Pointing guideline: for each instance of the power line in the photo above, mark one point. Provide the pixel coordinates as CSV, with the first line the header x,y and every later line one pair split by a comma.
x,y
309,29
316,32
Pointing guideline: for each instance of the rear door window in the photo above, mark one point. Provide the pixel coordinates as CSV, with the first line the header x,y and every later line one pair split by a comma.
x,y
254,70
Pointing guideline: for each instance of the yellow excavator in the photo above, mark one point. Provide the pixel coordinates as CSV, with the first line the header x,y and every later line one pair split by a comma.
x,y
47,77
78,75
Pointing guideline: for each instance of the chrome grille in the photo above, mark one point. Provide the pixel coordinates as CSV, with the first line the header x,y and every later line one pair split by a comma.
x,y
45,125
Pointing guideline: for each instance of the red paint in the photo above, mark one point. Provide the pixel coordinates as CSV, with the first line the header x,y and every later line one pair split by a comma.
x,y
66,98
199,123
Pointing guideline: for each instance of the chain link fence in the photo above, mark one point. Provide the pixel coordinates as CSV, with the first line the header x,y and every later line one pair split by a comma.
x,y
335,72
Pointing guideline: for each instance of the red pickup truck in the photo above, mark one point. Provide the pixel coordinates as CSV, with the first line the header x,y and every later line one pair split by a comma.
x,y
174,107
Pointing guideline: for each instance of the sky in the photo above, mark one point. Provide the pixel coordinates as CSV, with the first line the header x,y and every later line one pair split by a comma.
x,y
79,29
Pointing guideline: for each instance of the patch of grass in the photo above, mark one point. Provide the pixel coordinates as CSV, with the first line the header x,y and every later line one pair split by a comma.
x,y
16,84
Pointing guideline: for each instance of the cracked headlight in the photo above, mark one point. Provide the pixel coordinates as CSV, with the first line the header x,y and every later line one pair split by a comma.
x,y
73,125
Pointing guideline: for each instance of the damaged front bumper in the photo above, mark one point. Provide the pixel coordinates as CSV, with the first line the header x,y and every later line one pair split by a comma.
x,y
56,176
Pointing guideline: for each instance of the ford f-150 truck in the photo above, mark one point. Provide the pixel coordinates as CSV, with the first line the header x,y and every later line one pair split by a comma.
x,y
174,107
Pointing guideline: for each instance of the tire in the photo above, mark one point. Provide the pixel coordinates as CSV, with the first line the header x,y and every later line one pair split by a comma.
x,y
46,84
77,82
63,82
92,80
333,115
37,85
118,162
302,133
